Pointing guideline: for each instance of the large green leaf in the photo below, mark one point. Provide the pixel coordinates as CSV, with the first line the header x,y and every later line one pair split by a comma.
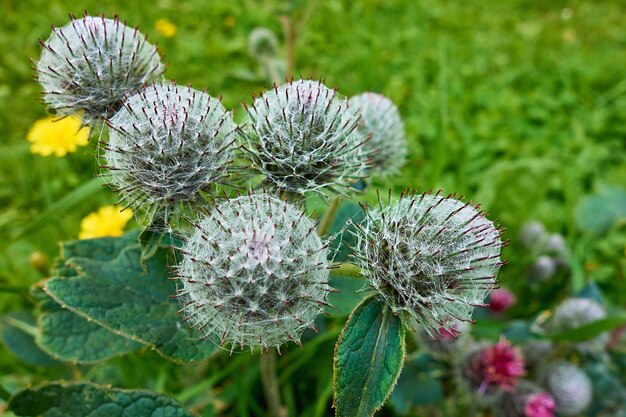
x,y
89,400
18,334
368,359
68,336
121,296
72,338
418,385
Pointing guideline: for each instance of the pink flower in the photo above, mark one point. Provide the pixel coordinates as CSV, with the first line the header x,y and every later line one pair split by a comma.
x,y
501,299
500,365
540,404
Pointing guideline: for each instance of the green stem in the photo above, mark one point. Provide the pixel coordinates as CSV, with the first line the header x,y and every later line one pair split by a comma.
x,y
4,394
346,270
271,70
329,216
269,379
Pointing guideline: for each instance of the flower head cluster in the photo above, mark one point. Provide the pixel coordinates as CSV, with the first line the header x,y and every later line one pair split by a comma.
x,y
59,137
301,138
430,258
497,366
574,313
255,273
90,64
380,118
570,387
168,145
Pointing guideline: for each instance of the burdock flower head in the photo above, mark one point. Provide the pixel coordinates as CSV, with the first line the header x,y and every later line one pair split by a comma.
x,y
496,367
570,387
168,145
527,400
430,258
574,313
255,273
301,137
381,120
90,64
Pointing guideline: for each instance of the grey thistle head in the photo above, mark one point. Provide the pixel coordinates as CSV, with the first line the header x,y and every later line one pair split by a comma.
x,y
169,145
302,138
570,387
254,274
88,66
381,119
430,258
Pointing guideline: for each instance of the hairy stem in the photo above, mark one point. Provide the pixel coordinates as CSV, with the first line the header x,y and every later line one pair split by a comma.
x,y
329,216
270,384
14,289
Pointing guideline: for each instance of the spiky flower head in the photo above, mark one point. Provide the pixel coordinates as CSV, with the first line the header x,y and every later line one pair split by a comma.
x,y
301,137
446,339
168,145
570,387
430,258
89,65
381,119
526,400
501,299
543,268
255,273
495,367
574,313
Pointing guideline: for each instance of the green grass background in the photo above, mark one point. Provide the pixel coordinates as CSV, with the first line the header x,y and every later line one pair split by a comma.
x,y
518,104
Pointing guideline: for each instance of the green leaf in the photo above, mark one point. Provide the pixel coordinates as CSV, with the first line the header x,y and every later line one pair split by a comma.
x,y
124,298
18,333
72,338
88,400
598,213
368,359
590,330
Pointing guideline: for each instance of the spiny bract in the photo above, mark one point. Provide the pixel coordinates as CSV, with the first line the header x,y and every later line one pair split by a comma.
x,y
90,64
429,257
255,273
380,118
168,144
302,138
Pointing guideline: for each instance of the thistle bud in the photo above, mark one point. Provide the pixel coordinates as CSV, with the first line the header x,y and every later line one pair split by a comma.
x,y
429,258
262,43
380,118
570,387
526,400
532,233
501,299
255,273
89,65
168,144
543,268
577,312
301,137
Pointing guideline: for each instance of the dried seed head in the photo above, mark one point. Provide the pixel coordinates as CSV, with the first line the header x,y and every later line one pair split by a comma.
x,y
255,273
430,258
302,138
90,64
168,145
570,387
380,118
574,313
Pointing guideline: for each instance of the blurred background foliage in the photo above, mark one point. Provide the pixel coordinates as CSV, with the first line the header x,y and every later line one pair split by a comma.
x,y
519,105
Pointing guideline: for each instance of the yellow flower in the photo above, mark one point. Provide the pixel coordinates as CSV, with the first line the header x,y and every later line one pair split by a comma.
x,y
107,221
165,28
51,135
